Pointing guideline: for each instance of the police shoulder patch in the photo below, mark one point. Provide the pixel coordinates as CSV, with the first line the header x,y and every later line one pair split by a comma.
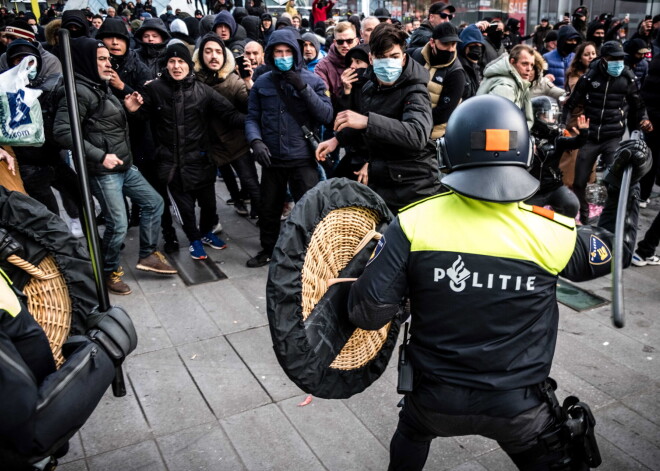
x,y
327,93
599,252
377,250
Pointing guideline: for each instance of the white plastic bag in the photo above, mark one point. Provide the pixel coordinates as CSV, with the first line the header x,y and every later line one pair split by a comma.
x,y
21,121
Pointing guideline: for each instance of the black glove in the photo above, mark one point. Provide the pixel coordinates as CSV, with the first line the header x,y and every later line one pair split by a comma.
x,y
294,79
633,152
8,245
261,153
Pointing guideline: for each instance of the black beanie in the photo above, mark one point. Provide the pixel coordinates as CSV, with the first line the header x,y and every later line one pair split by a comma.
x,y
78,18
176,48
113,28
22,48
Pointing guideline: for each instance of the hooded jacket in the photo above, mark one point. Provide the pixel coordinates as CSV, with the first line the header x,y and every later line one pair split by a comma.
x,y
50,64
236,42
270,120
227,143
558,63
607,101
252,27
500,78
330,69
473,75
149,53
314,39
104,123
403,167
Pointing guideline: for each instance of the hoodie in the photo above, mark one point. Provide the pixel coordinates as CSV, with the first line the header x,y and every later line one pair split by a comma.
x,y
252,27
76,17
280,131
149,53
473,76
312,38
330,69
500,78
558,62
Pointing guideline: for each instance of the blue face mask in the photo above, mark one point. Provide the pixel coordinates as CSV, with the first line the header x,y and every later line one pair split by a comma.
x,y
387,70
614,68
284,63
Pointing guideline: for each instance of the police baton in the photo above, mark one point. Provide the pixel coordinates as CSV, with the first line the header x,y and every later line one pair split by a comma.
x,y
89,214
618,314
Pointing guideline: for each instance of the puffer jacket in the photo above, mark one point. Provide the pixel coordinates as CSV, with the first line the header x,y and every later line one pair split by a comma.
x,y
500,78
402,163
104,126
607,101
557,63
651,91
228,143
270,120
421,35
180,112
132,71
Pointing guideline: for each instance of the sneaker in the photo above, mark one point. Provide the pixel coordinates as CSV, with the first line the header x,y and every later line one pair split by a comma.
x,y
254,214
157,263
259,260
197,250
115,284
217,229
640,261
231,201
286,210
645,203
240,208
214,241
76,229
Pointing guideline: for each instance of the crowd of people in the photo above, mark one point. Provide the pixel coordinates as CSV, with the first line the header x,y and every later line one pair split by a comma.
x,y
171,102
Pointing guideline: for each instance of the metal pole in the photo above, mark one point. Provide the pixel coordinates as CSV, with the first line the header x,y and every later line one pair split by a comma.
x,y
89,215
618,313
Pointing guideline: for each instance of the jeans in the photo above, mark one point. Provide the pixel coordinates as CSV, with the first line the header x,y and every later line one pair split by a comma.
x,y
109,190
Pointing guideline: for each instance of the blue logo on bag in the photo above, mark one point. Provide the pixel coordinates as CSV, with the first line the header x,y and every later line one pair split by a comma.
x,y
19,111
599,253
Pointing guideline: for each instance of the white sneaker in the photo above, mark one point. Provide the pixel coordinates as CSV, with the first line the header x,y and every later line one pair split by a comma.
x,y
76,229
217,229
645,203
639,261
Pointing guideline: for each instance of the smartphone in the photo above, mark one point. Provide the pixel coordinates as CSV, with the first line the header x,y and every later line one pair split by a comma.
x,y
242,71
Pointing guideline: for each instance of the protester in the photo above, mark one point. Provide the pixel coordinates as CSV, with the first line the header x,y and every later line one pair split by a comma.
x,y
540,32
311,51
152,38
367,27
439,12
470,51
559,59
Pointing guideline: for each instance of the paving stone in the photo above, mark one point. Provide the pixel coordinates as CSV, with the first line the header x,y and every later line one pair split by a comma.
x,y
496,460
446,453
569,384
615,459
116,422
336,435
469,466
232,261
79,465
228,307
612,377
140,457
182,316
151,334
266,440
251,246
76,451
254,288
169,398
477,445
646,404
631,433
225,381
254,346
202,448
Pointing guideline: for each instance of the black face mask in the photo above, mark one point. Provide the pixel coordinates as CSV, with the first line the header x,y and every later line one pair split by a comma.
x,y
440,57
597,40
360,73
475,53
578,24
566,49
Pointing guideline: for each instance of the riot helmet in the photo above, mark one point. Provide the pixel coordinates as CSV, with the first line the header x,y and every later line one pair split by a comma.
x,y
546,117
487,150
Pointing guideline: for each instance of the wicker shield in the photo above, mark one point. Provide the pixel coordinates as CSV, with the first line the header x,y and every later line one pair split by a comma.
x,y
330,234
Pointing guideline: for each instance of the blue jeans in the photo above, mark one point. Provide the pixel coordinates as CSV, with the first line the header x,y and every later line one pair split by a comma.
x,y
110,190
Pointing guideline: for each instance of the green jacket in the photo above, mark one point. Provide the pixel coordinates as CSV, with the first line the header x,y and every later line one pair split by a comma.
x,y
500,78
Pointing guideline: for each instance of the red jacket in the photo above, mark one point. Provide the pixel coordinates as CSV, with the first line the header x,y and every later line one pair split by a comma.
x,y
321,14
330,69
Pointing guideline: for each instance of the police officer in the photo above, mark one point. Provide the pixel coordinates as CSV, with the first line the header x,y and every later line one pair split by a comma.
x,y
480,269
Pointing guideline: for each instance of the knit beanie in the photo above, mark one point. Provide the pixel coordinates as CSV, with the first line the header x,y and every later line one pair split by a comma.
x,y
177,48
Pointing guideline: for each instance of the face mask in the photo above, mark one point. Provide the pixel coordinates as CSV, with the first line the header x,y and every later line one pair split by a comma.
x,y
566,49
597,40
35,29
360,73
32,74
284,63
441,57
387,70
614,68
475,53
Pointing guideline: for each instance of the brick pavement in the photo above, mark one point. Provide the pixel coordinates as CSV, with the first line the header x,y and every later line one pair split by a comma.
x,y
205,391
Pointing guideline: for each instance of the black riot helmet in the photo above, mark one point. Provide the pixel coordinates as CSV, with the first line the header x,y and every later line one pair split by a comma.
x,y
546,117
487,150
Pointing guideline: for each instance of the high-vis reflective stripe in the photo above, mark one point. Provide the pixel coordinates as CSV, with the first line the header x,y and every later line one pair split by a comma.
x,y
453,223
8,300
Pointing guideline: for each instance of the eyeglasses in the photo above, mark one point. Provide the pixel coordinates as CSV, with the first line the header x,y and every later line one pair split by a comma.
x,y
341,42
444,16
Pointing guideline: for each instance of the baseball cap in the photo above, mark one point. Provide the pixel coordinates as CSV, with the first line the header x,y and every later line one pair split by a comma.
x,y
612,49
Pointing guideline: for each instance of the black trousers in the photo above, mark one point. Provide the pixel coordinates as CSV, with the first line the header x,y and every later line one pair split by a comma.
x,y
274,181
646,247
584,165
247,174
185,201
647,182
39,181
561,199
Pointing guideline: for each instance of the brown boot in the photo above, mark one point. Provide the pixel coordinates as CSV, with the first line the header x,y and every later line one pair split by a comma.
x,y
115,284
157,263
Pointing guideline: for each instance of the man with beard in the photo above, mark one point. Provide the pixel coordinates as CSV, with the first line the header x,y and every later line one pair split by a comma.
x,y
446,75
559,59
152,37
110,163
180,110
214,66
311,51
333,65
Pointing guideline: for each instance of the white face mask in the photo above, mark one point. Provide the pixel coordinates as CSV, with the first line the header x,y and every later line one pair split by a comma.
x,y
35,29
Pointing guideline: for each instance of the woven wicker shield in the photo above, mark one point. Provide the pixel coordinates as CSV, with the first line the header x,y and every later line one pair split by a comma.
x,y
330,235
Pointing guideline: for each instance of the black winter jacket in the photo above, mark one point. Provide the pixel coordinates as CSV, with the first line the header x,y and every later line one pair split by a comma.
x,y
132,71
104,126
651,90
607,101
548,152
180,114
